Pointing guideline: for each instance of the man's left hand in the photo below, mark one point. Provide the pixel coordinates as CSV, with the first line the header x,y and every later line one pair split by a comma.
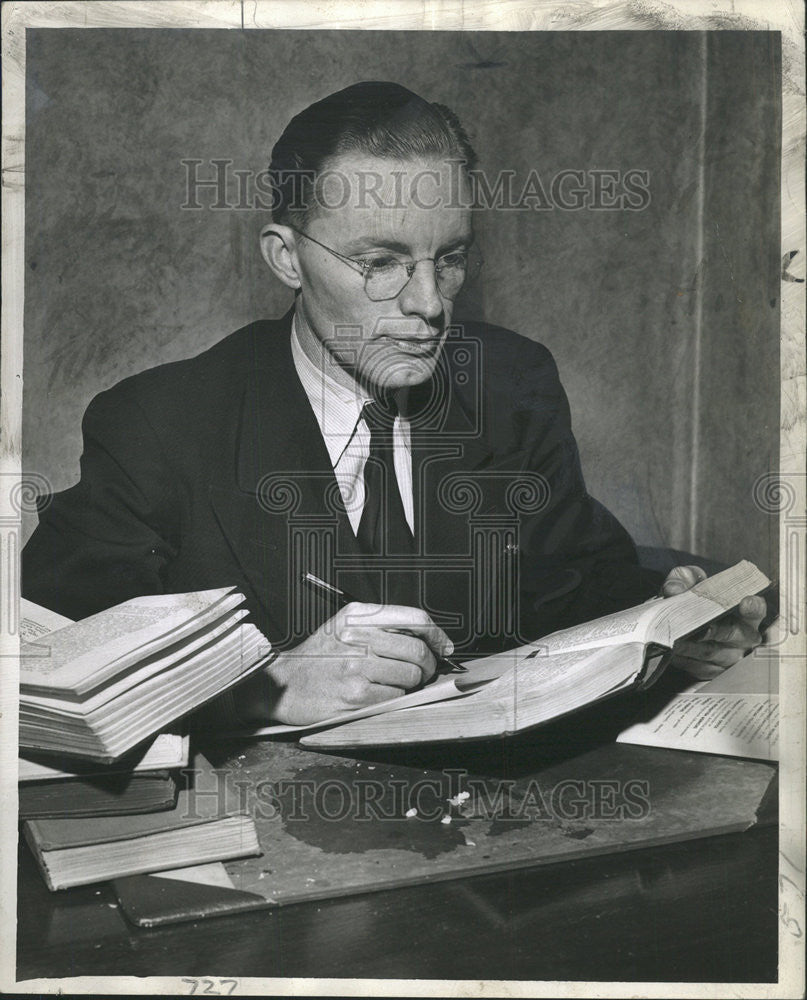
x,y
724,641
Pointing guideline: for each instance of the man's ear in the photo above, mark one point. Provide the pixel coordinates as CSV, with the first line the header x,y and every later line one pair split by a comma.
x,y
279,250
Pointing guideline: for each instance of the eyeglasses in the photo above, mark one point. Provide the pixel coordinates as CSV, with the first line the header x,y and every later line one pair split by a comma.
x,y
386,277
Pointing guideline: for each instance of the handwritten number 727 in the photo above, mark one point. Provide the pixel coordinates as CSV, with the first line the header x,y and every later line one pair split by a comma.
x,y
209,986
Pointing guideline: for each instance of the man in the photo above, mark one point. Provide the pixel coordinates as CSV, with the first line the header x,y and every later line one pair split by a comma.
x,y
426,471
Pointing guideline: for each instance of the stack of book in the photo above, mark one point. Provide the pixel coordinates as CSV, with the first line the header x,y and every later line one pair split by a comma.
x,y
203,826
141,782
104,793
97,688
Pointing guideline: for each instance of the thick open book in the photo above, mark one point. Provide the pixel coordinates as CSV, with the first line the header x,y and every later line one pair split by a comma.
x,y
99,687
507,693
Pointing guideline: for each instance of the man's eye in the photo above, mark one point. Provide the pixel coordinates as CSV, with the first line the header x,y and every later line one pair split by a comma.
x,y
381,265
458,258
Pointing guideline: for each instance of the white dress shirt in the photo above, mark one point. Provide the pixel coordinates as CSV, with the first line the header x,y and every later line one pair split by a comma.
x,y
347,436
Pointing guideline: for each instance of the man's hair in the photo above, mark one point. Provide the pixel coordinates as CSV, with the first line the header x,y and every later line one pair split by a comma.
x,y
377,118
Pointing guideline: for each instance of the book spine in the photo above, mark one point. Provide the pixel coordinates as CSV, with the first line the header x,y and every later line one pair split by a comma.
x,y
29,831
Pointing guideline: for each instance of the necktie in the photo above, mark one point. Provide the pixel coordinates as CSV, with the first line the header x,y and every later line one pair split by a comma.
x,y
383,529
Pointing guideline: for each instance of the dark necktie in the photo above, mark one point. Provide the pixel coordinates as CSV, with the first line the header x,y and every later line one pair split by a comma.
x,y
383,529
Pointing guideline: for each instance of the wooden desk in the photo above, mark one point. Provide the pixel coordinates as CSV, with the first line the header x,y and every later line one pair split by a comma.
x,y
699,911
703,910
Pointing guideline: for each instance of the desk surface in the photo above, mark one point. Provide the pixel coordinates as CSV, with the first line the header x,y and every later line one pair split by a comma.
x,y
698,911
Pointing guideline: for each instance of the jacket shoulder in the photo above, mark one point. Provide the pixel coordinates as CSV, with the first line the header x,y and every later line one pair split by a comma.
x,y
215,377
517,367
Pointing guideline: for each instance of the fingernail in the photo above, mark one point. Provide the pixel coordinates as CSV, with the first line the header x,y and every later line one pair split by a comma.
x,y
675,587
448,649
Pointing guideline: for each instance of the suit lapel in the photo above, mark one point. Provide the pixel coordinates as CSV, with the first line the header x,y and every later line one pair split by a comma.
x,y
283,515
281,510
448,444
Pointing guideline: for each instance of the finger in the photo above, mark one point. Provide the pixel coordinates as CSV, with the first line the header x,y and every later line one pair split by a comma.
x,y
752,610
706,651
697,668
732,632
682,578
401,646
359,691
393,645
392,673
393,617
381,692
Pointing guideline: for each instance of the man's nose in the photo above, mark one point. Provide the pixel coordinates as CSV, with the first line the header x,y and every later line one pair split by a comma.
x,y
420,295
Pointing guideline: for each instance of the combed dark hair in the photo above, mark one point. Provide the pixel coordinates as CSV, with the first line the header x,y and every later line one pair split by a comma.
x,y
382,119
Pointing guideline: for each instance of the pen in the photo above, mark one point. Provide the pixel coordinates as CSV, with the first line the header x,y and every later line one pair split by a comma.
x,y
343,598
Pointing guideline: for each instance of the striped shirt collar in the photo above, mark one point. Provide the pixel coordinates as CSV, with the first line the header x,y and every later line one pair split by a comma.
x,y
336,407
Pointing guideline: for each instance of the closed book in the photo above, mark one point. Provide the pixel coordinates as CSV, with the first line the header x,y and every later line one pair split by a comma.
x,y
204,826
112,795
165,751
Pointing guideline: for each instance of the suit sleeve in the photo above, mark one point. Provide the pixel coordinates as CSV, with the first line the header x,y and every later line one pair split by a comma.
x,y
577,562
107,538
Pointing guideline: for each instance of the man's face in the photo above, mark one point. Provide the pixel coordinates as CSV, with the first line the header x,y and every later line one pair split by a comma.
x,y
402,210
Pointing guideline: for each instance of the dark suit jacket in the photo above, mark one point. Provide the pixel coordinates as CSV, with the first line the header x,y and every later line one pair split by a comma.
x,y
212,472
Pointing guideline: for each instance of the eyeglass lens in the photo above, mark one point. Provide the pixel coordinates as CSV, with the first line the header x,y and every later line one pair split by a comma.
x,y
387,279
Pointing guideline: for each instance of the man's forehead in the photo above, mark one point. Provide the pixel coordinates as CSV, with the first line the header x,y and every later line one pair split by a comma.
x,y
402,176
373,198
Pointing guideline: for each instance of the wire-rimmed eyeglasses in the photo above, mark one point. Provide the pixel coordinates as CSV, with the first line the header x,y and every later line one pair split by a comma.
x,y
386,277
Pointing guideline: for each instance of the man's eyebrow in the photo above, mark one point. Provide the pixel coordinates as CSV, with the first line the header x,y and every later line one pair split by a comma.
x,y
461,241
364,243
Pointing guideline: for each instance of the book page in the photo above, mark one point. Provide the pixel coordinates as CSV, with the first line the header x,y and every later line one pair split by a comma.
x,y
736,713
675,617
663,620
737,725
220,631
732,585
440,690
85,652
631,625
36,621
711,598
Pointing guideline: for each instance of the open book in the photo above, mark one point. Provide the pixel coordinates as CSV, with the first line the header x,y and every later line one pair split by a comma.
x,y
509,692
99,687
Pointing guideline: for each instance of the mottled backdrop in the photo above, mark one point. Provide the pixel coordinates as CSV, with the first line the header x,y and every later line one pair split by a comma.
x,y
664,322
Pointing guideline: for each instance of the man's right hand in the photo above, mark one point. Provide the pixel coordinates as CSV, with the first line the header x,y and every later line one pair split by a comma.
x,y
366,653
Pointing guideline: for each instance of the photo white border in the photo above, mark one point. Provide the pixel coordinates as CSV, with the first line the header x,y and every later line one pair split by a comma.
x,y
790,495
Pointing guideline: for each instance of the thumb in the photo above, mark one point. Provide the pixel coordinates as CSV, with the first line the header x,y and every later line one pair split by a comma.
x,y
681,578
752,610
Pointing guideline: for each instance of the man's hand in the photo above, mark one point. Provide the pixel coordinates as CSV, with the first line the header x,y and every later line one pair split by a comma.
x,y
724,641
365,654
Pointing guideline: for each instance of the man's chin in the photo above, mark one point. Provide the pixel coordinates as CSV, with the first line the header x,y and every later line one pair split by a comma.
x,y
403,372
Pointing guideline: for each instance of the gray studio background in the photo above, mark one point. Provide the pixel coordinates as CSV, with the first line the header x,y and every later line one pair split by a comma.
x,y
664,322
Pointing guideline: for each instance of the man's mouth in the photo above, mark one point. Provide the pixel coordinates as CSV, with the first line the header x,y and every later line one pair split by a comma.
x,y
407,345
